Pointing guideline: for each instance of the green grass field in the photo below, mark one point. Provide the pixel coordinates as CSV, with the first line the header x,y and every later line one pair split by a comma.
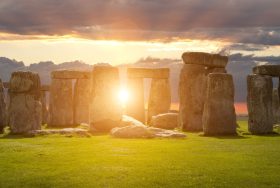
x,y
103,161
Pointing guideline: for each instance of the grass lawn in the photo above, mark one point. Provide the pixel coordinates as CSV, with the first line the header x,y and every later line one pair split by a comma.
x,y
102,161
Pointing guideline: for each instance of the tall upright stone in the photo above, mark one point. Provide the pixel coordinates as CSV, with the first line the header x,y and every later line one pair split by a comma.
x,y
105,107
25,109
259,101
219,116
2,107
193,86
160,97
276,106
61,103
135,104
81,101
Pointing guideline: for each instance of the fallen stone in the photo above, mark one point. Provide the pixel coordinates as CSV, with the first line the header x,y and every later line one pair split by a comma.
x,y
219,116
105,107
129,121
160,98
61,103
206,59
25,109
259,101
270,70
65,131
165,121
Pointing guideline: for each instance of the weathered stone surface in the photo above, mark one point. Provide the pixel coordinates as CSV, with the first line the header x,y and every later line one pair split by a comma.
x,y
276,106
25,109
105,107
70,74
2,108
270,70
82,101
259,101
160,97
61,103
206,59
129,121
45,111
219,116
192,93
135,104
160,73
65,131
165,121
136,131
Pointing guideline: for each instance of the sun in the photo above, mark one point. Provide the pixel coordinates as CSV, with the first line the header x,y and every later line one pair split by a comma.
x,y
123,96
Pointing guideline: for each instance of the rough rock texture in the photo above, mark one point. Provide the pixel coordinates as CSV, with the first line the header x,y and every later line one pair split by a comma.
x,y
25,109
276,106
61,103
192,92
270,70
136,131
65,131
129,121
219,116
70,74
201,58
105,107
2,108
160,73
135,105
160,97
165,121
45,111
259,101
81,101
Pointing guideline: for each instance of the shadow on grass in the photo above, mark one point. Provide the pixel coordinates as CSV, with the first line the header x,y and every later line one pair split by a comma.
x,y
231,137
14,136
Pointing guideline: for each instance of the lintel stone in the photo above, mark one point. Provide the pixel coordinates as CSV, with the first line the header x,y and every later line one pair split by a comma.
x,y
70,74
270,70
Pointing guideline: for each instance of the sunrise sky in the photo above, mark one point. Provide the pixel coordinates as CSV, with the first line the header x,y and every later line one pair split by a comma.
x,y
123,31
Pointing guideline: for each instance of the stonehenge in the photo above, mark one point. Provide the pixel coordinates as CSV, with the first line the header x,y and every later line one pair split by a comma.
x,y
193,90
2,107
219,116
25,108
275,106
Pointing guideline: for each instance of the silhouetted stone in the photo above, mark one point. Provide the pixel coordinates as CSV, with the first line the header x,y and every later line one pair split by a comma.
x,y
276,106
160,97
259,103
61,103
219,116
135,104
105,107
165,121
81,101
192,93
206,59
270,70
2,107
25,109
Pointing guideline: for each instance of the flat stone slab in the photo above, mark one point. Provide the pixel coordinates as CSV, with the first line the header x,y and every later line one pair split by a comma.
x,y
201,58
70,74
270,70
148,73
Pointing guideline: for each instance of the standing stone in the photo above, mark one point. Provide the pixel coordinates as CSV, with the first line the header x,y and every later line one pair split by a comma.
x,y
192,92
135,105
61,103
259,101
276,106
105,107
160,98
81,101
45,111
2,108
219,116
25,109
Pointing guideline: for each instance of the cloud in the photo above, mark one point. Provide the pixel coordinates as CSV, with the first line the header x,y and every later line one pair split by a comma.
x,y
250,21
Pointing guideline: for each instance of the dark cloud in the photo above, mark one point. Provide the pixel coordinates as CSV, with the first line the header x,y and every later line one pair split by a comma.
x,y
238,20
